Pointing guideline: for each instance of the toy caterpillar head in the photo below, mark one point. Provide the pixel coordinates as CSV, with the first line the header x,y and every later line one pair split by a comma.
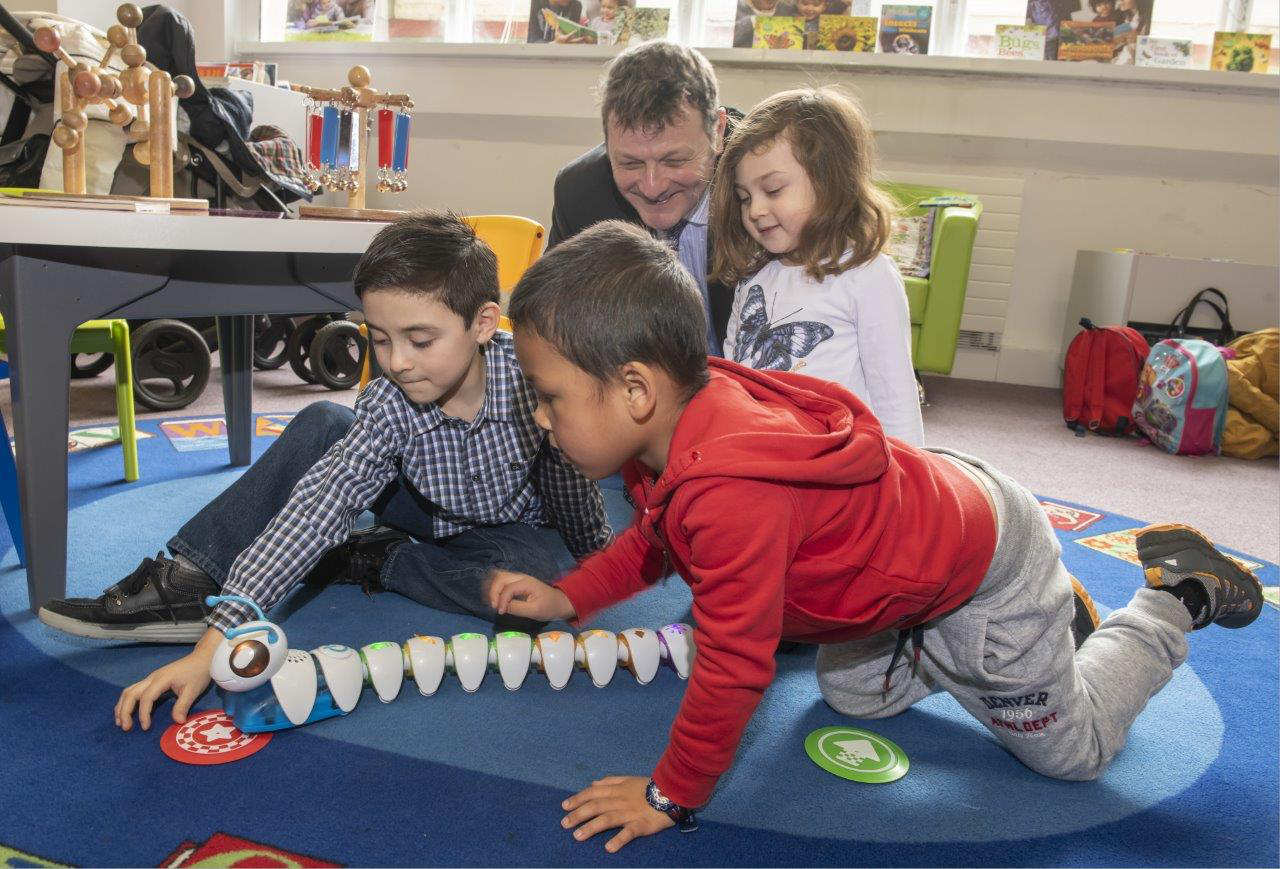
x,y
250,654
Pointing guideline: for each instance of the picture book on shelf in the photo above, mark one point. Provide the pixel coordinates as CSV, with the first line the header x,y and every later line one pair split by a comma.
x,y
642,25
1240,52
1020,41
905,29
779,32
847,33
571,30
1167,53
329,20
1086,40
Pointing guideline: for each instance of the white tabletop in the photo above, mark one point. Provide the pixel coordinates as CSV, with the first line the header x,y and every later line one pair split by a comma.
x,y
123,229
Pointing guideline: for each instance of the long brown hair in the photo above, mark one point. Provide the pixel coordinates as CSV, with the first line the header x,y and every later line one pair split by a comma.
x,y
832,140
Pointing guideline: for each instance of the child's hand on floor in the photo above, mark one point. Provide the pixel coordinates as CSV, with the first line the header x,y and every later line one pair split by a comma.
x,y
616,801
186,677
522,595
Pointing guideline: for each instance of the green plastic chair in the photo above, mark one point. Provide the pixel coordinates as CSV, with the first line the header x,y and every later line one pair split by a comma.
x,y
936,303
109,336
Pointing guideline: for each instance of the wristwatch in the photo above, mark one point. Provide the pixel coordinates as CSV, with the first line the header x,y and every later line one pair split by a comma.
x,y
686,820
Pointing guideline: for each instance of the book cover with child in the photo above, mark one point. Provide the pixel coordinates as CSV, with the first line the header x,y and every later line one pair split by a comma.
x,y
1167,53
905,29
1240,52
1087,40
847,33
329,20
779,32
571,30
1020,41
609,20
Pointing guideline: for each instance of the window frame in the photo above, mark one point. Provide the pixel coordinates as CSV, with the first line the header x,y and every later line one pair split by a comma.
x,y
687,20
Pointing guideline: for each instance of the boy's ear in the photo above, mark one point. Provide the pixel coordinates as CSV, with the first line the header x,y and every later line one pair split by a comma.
x,y
640,389
485,322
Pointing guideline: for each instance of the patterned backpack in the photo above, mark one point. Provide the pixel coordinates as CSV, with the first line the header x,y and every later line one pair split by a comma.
x,y
1182,397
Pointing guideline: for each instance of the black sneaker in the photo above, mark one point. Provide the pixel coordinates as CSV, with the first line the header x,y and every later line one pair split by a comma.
x,y
1085,621
1175,554
160,602
359,560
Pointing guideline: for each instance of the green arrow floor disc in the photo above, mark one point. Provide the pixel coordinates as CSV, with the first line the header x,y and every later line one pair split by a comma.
x,y
858,755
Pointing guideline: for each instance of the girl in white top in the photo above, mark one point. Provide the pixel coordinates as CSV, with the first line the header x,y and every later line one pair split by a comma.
x,y
799,228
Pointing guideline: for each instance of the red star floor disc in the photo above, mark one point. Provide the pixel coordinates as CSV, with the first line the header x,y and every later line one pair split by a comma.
x,y
210,737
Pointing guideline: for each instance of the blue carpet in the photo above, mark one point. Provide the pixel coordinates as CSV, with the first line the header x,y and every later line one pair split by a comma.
x,y
460,779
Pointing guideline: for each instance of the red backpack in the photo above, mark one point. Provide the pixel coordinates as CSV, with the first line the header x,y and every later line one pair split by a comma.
x,y
1101,379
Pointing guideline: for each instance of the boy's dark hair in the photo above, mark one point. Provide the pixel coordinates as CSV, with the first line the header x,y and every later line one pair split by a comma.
x,y
614,294
432,253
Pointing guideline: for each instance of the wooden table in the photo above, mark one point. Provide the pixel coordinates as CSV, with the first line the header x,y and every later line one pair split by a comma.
x,y
61,267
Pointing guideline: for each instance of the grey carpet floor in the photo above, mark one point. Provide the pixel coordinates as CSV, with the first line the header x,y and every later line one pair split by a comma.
x,y
1017,428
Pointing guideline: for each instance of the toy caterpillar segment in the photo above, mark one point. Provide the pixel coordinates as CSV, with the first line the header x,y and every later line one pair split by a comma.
x,y
268,686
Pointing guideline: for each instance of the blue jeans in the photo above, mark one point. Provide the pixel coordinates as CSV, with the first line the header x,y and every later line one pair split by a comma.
x,y
447,574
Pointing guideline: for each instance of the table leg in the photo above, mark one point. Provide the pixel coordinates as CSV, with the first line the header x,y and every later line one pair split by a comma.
x,y
40,371
235,348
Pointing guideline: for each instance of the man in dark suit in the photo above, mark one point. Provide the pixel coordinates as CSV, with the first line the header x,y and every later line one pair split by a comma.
x,y
663,129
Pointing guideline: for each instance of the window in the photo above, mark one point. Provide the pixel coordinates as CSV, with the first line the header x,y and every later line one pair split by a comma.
x,y
1187,19
717,24
710,23
981,18
499,20
417,19
1265,18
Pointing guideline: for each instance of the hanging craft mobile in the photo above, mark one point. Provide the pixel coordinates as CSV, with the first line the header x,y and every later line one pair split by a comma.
x,y
338,126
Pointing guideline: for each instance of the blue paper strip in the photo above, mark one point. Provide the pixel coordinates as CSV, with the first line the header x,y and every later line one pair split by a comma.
x,y
400,157
329,137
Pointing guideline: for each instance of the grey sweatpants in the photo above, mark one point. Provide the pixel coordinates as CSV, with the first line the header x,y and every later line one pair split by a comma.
x,y
1008,657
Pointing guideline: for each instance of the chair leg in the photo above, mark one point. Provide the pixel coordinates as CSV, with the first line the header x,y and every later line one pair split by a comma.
x,y
124,398
9,495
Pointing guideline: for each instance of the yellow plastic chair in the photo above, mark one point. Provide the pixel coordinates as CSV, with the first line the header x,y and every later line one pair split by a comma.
x,y
109,336
517,242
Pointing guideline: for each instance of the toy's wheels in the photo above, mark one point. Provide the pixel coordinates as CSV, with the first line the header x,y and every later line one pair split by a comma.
x,y
271,341
299,348
171,363
86,365
336,354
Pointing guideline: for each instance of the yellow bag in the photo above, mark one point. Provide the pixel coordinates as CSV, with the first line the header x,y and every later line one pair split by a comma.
x,y
1253,383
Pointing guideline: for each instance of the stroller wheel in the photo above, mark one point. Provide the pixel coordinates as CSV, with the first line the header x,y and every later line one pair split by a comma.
x,y
171,363
86,365
271,341
299,348
336,354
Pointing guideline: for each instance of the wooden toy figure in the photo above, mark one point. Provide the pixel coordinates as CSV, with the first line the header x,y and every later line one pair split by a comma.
x,y
151,125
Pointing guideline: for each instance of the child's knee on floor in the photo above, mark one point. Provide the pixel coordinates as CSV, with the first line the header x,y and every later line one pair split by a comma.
x,y
320,417
859,698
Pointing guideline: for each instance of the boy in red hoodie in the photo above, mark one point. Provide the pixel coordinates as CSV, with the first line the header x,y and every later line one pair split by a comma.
x,y
781,503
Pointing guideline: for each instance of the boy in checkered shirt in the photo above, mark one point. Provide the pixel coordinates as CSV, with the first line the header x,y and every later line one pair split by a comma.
x,y
443,449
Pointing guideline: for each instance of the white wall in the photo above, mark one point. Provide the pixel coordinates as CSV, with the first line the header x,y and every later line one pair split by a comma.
x,y
1062,164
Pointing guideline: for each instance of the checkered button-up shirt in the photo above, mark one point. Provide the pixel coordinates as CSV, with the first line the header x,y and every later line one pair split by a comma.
x,y
496,469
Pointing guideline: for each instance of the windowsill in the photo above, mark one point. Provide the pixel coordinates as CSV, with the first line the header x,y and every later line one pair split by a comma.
x,y
883,64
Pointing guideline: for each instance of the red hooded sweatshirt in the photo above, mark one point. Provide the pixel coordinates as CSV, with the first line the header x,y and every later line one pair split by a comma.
x,y
790,515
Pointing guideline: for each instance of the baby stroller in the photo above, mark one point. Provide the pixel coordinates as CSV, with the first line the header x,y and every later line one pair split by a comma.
x,y
224,161
172,359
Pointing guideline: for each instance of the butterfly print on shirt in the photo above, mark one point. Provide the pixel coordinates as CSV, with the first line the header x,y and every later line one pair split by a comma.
x,y
774,346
